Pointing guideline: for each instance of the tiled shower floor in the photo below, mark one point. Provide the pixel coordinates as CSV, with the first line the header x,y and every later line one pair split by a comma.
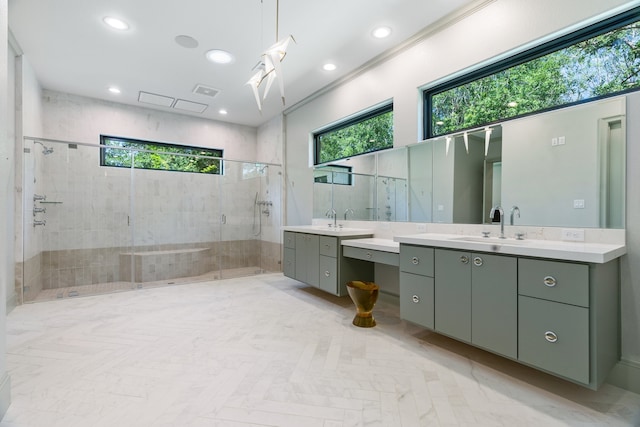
x,y
105,288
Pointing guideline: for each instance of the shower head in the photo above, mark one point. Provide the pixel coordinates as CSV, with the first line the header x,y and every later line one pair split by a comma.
x,y
45,150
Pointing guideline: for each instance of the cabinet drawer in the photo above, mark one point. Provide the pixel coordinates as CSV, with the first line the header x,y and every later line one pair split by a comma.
x,y
382,257
555,281
329,246
329,274
539,322
417,299
416,260
289,240
289,268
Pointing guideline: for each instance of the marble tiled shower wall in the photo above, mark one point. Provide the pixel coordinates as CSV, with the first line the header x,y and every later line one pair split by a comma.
x,y
92,219
60,269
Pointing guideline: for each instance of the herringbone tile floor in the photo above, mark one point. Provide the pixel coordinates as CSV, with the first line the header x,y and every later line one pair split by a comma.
x,y
268,351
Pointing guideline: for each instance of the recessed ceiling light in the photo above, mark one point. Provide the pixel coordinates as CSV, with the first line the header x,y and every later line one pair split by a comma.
x,y
329,67
381,32
115,23
222,111
114,89
512,104
219,56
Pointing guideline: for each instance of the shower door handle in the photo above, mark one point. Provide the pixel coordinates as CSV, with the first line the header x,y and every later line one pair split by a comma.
x,y
224,219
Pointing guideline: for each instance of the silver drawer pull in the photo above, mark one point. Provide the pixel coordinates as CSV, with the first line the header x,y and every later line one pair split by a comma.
x,y
415,299
369,255
550,281
415,260
550,336
464,259
477,261
327,274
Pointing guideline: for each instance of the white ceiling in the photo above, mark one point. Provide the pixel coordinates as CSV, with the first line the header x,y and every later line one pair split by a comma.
x,y
73,51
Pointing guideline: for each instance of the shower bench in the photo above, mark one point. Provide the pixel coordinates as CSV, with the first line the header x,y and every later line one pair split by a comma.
x,y
152,266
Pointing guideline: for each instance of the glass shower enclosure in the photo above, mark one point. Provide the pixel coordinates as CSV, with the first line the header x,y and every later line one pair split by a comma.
x,y
89,229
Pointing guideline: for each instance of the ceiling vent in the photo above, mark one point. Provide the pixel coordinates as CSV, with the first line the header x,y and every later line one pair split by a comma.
x,y
155,99
193,107
205,90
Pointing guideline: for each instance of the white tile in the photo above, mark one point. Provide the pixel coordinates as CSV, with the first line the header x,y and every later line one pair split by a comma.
x,y
267,351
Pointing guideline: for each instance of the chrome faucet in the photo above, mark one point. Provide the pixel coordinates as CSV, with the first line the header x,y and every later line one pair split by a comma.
x,y
348,210
501,211
331,213
515,211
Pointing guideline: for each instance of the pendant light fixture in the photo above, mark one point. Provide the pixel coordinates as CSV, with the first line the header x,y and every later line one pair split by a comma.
x,y
269,67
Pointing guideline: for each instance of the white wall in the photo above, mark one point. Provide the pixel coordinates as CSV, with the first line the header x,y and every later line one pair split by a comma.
x,y
6,210
75,118
28,122
500,27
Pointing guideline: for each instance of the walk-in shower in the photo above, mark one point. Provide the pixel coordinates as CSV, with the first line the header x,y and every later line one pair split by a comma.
x,y
106,229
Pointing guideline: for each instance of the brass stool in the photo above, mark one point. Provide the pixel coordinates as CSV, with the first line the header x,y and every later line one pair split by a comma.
x,y
364,295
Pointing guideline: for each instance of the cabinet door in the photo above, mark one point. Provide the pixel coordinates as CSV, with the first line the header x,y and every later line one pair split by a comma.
x,y
555,337
494,307
307,259
289,263
416,299
453,293
328,274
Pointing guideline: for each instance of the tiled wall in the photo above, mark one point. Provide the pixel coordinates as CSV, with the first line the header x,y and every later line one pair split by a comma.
x,y
64,268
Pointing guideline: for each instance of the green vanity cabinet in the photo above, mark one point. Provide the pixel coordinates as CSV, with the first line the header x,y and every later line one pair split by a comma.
x,y
559,316
289,268
476,299
308,258
568,317
317,260
416,285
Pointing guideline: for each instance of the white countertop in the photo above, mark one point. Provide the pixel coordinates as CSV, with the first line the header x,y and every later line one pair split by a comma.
x,y
385,245
553,249
327,231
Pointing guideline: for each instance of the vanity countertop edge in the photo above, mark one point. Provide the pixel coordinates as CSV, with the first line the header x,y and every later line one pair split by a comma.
x,y
329,231
598,253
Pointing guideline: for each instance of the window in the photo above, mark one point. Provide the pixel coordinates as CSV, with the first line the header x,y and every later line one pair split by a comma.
x,y
369,132
598,61
333,174
160,156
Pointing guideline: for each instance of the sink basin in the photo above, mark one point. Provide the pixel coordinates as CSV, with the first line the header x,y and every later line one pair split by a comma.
x,y
492,240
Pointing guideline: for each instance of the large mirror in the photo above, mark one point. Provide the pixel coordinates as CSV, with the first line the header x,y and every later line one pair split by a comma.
x,y
563,168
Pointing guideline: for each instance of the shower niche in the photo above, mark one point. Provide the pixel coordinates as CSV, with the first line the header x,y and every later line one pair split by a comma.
x,y
105,229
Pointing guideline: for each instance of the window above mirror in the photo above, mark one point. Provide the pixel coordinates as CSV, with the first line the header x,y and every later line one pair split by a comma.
x,y
598,61
364,133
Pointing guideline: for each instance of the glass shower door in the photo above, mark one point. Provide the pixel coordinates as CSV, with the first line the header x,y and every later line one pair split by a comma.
x,y
75,222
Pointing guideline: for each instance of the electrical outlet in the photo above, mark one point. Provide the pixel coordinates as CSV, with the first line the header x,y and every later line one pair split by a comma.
x,y
573,234
561,140
578,204
554,142
385,226
422,228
